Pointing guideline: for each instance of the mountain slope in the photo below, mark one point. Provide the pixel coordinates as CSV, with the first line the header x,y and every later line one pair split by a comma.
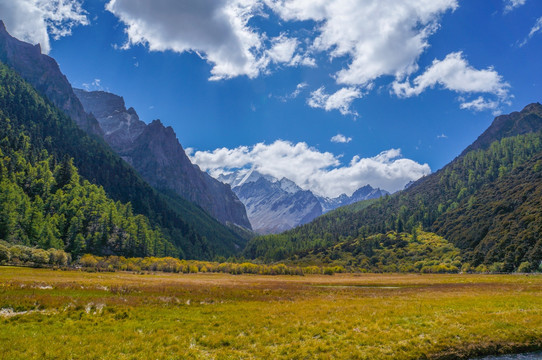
x,y
43,200
503,221
155,152
180,219
272,208
272,205
430,200
43,73
187,226
516,123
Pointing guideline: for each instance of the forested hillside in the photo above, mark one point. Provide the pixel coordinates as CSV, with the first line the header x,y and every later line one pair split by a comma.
x,y
503,227
48,205
502,222
45,137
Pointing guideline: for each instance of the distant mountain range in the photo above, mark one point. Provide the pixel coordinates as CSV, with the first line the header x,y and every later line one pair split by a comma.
x,y
154,151
275,205
366,192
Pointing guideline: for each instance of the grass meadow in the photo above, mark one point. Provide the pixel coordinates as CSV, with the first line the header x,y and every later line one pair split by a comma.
x,y
53,314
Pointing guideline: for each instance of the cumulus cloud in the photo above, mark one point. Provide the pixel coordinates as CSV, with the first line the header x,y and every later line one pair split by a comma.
x,y
34,21
340,100
480,104
454,73
537,27
283,51
340,138
373,38
512,4
321,172
379,37
217,30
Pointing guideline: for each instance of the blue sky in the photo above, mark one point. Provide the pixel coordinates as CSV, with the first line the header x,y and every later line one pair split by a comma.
x,y
401,86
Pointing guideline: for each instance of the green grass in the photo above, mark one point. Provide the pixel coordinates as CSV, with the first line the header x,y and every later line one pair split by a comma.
x,y
75,315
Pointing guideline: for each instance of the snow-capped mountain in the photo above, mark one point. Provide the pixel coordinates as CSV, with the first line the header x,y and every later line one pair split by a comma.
x,y
272,205
275,205
366,192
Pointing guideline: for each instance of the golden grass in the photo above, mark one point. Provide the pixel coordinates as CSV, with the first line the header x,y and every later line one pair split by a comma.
x,y
78,315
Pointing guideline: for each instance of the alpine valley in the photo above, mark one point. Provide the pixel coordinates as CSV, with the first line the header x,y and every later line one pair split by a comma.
x,y
270,179
82,173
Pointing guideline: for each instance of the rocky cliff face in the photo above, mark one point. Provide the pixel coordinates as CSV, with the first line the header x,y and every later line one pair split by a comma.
x,y
276,205
45,76
154,151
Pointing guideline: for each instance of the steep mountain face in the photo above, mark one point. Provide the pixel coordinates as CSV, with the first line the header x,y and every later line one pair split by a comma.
x,y
155,152
275,205
366,192
43,73
486,202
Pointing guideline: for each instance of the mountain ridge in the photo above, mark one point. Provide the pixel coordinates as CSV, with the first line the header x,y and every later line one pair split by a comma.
x,y
44,74
156,153
275,205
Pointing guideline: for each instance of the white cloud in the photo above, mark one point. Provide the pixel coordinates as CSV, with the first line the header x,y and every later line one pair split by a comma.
x,y
298,89
340,100
442,136
217,30
480,104
378,37
321,172
537,27
34,21
283,49
512,4
294,94
454,73
373,38
340,138
94,85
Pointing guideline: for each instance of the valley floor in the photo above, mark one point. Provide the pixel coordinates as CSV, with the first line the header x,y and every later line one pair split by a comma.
x,y
47,314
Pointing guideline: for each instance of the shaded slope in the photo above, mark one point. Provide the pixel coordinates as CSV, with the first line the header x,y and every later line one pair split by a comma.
x,y
503,221
273,209
275,205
